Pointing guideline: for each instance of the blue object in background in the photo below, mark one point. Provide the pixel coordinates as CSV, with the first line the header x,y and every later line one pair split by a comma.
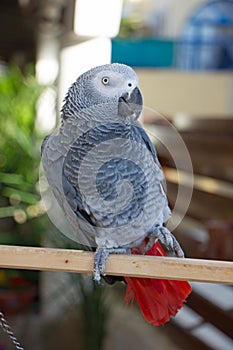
x,y
143,52
207,39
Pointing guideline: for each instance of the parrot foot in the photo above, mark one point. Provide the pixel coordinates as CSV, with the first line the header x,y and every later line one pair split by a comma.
x,y
162,234
100,258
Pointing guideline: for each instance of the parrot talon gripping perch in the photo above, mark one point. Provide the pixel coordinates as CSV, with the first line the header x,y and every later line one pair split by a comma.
x,y
166,238
100,258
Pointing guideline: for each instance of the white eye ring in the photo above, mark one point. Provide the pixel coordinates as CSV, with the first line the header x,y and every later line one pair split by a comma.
x,y
105,80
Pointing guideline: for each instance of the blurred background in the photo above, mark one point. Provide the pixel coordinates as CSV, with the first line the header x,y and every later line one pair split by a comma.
x,y
183,55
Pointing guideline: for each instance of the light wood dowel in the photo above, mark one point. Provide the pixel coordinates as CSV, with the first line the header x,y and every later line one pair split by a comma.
x,y
68,260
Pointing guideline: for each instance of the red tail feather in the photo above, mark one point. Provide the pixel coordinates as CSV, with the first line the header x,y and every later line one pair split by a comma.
x,y
158,299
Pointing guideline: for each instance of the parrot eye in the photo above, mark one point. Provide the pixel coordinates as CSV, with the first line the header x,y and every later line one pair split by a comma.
x,y
105,80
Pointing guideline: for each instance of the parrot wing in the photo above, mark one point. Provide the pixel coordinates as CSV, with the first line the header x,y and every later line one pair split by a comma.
x,y
151,148
65,202
158,299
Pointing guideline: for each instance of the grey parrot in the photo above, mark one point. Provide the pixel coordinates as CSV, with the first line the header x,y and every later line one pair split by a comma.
x,y
104,174
103,169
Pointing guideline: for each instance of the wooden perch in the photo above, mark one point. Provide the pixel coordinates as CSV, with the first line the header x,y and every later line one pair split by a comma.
x,y
127,265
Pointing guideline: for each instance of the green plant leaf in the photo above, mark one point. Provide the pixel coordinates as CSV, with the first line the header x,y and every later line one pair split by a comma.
x,y
25,197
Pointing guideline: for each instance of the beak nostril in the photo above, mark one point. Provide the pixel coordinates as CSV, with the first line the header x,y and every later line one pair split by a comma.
x,y
125,96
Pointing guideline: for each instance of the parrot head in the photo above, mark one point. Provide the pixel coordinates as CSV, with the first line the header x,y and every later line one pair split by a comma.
x,y
112,86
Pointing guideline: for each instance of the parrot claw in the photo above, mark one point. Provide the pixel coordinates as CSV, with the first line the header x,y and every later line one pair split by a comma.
x,y
165,237
100,258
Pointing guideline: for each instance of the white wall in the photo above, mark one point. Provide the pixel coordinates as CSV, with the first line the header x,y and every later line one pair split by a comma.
x,y
173,92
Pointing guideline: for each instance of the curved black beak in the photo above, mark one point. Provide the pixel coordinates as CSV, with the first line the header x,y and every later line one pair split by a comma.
x,y
130,104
